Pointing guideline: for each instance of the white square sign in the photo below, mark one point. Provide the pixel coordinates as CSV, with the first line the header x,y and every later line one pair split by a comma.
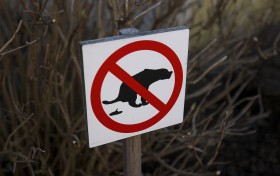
x,y
134,83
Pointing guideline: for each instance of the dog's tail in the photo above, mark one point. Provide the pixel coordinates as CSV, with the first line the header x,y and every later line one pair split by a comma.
x,y
110,102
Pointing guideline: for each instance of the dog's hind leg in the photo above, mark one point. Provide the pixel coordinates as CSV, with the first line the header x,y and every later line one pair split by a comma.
x,y
143,101
133,104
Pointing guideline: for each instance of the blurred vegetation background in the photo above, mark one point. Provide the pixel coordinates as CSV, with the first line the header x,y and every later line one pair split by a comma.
x,y
231,124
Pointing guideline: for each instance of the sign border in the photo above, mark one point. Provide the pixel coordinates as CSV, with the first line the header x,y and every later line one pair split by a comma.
x,y
107,39
87,42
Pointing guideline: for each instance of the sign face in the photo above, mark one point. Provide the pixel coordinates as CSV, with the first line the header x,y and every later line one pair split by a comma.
x,y
134,83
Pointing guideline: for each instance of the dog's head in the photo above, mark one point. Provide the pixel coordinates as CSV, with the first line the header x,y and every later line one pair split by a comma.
x,y
164,73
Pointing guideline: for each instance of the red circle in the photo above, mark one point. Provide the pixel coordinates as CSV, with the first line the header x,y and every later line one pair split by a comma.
x,y
105,68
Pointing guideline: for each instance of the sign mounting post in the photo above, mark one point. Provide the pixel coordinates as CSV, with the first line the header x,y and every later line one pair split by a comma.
x,y
132,146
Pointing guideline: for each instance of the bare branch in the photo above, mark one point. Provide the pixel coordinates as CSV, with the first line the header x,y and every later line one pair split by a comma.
x,y
18,48
146,11
12,38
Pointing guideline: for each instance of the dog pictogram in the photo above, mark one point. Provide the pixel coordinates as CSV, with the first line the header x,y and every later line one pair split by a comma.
x,y
145,78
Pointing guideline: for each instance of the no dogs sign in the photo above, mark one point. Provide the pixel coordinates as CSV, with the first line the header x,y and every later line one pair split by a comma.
x,y
134,83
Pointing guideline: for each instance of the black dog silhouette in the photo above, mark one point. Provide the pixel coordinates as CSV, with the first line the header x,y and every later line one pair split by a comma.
x,y
145,78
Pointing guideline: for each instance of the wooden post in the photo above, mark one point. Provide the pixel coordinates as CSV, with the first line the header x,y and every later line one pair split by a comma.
x,y
132,145
132,156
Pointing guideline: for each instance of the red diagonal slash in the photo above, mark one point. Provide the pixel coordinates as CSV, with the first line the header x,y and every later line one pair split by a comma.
x,y
137,87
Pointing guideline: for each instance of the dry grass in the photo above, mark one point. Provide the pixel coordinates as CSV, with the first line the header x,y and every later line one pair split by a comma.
x,y
42,129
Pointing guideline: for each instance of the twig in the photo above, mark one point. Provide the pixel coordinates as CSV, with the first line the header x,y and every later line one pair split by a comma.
x,y
44,6
18,48
126,8
12,38
146,11
208,70
275,44
205,49
223,128
180,172
11,135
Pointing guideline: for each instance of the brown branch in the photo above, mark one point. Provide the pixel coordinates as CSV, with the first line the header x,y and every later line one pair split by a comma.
x,y
11,135
208,70
12,38
223,128
146,11
174,170
18,48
